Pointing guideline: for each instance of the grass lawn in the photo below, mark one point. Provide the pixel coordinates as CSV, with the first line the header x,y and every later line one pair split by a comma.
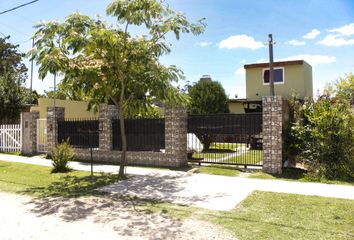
x,y
220,150
289,174
12,153
250,157
262,215
226,146
265,215
219,170
39,181
209,155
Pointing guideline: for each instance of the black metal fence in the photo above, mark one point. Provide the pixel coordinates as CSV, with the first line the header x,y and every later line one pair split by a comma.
x,y
234,139
142,134
81,133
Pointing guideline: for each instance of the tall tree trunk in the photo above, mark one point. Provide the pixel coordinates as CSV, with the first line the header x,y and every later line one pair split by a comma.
x,y
123,160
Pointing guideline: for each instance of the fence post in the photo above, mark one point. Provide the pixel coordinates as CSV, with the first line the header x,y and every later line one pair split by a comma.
x,y
273,118
176,135
29,132
52,125
106,114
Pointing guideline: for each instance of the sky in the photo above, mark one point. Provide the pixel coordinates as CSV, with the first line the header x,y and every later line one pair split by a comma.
x,y
320,32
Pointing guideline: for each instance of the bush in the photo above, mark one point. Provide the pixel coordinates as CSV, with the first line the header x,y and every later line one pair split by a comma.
x,y
323,134
61,155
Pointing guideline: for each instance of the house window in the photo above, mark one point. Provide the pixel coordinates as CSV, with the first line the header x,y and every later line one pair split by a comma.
x,y
278,76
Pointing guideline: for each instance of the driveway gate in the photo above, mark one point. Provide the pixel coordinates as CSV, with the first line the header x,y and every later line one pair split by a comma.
x,y
234,139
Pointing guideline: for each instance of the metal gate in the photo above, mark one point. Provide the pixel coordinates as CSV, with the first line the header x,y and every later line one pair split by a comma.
x,y
10,138
42,146
233,139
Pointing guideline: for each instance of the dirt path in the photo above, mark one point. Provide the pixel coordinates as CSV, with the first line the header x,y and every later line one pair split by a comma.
x,y
103,217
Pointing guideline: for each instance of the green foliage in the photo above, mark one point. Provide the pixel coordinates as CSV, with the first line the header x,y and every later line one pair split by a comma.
x,y
65,91
343,89
12,76
11,60
61,155
108,64
207,97
324,132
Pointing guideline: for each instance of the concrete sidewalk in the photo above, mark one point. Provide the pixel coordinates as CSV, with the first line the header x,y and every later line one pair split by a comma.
x,y
201,190
217,192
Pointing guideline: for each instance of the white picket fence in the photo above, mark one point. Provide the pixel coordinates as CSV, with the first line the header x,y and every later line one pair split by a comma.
x,y
10,138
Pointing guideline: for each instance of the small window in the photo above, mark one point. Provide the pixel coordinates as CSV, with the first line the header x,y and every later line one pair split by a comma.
x,y
278,76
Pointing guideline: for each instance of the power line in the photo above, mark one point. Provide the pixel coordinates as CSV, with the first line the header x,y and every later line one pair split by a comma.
x,y
22,5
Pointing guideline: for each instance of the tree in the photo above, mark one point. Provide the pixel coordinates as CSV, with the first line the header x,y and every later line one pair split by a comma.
x,y
108,63
12,76
207,97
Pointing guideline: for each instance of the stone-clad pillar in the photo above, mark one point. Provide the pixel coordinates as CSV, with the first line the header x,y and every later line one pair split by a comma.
x,y
176,134
106,114
29,132
52,125
273,116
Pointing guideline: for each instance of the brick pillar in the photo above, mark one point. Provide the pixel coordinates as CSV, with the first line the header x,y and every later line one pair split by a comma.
x,y
272,134
52,124
176,134
29,132
106,114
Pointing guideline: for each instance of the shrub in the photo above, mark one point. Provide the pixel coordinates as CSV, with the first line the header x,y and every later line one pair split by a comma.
x,y
324,137
61,155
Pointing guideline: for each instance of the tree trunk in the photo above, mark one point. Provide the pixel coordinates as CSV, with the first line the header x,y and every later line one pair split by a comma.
x,y
123,160
206,140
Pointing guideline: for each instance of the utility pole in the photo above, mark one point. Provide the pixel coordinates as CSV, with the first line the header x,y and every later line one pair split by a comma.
x,y
271,65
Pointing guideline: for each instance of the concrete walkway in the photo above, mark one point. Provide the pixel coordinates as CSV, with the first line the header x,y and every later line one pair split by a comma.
x,y
201,190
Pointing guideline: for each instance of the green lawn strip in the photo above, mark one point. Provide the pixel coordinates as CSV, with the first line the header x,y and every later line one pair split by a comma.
x,y
210,155
12,153
226,146
39,181
296,174
289,174
219,150
219,170
250,157
265,215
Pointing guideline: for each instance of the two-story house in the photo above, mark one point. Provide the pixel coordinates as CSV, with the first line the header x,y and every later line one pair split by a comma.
x,y
290,77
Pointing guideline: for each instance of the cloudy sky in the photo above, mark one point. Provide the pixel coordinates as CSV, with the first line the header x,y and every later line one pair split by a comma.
x,y
320,32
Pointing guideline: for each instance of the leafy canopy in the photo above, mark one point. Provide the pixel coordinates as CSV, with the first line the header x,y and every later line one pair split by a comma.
x,y
109,64
12,76
207,97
